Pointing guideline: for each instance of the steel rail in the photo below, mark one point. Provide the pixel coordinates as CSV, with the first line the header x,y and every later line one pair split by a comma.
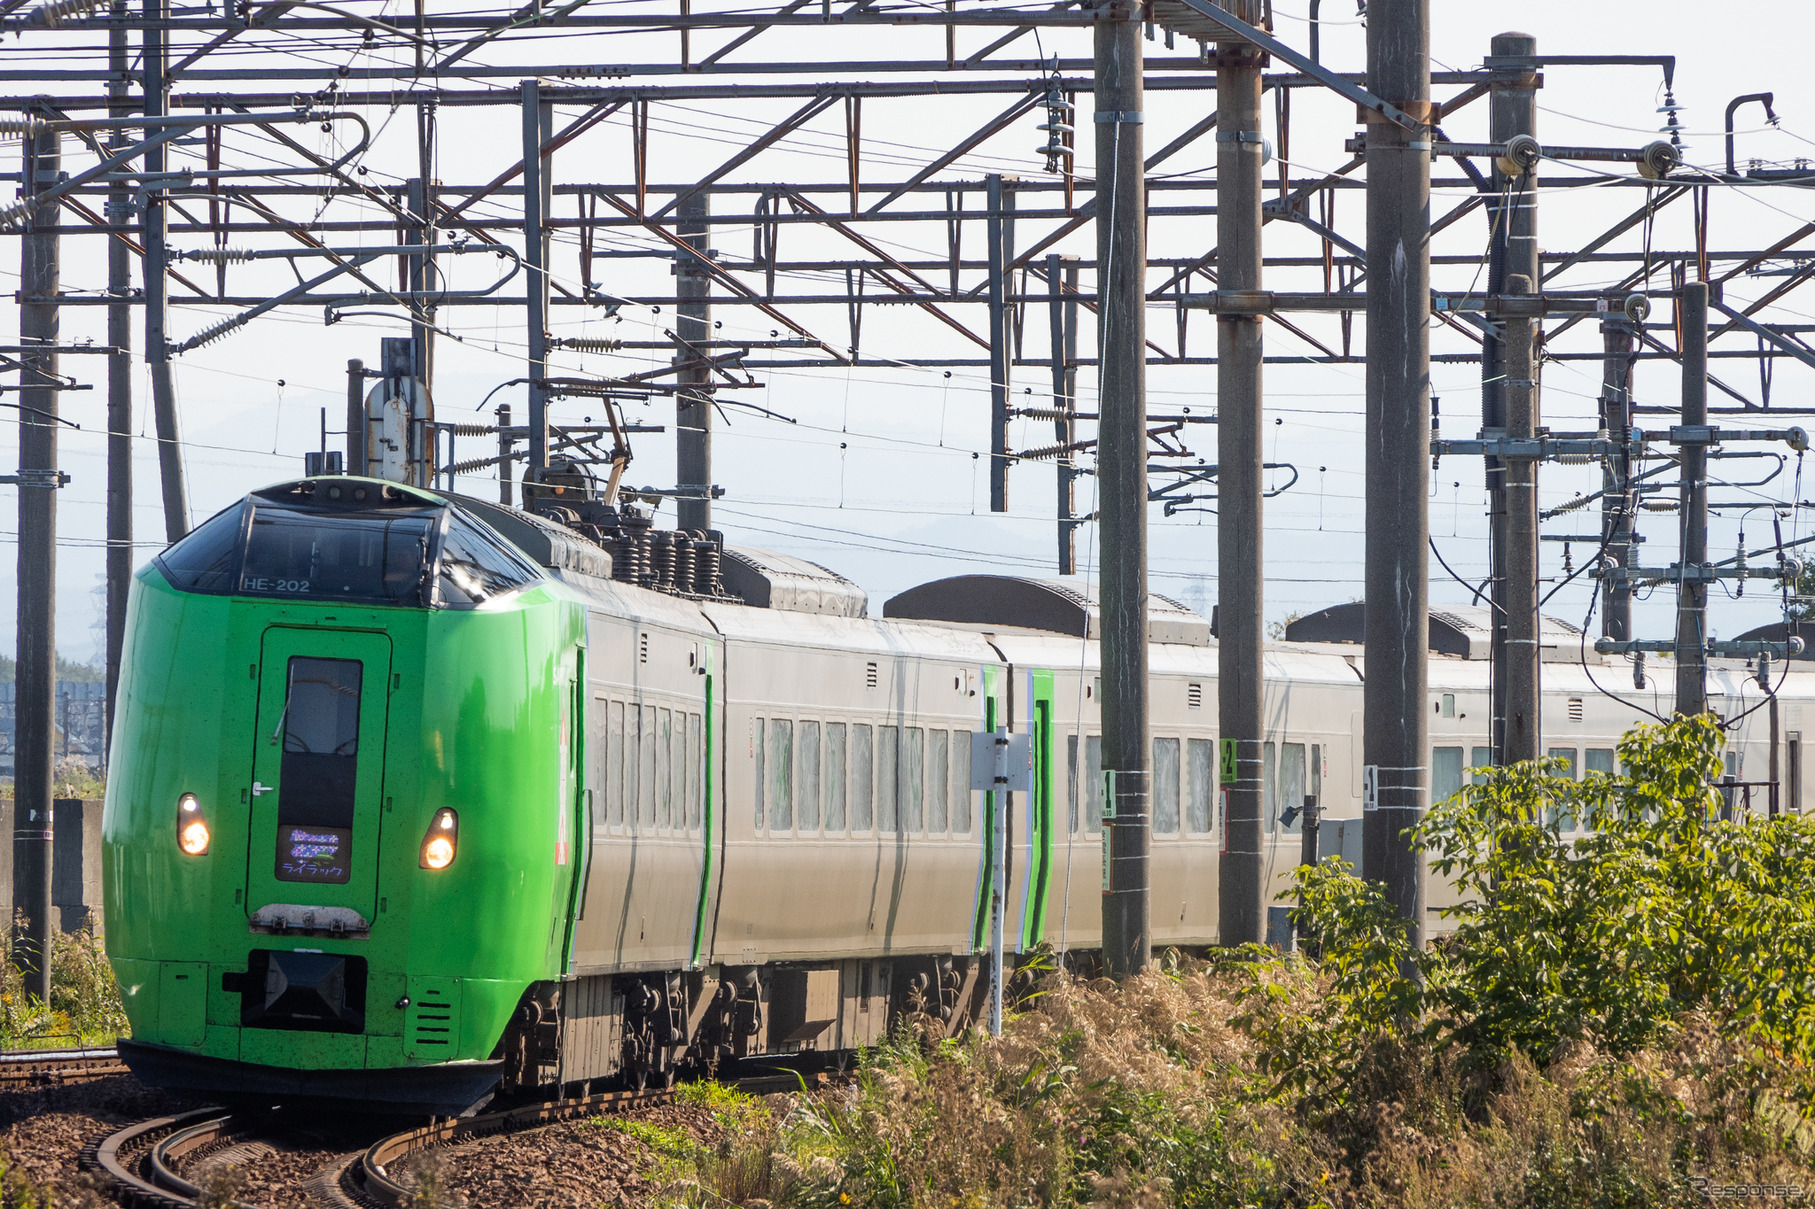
x,y
40,1067
118,1155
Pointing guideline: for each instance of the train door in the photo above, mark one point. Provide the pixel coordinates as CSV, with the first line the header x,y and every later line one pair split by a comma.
x,y
573,839
1036,856
994,715
318,748
704,761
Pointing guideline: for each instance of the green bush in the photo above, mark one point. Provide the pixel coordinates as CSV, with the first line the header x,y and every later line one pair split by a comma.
x,y
84,1007
1664,906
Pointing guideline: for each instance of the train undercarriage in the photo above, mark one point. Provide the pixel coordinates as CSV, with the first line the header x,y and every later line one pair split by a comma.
x,y
647,1029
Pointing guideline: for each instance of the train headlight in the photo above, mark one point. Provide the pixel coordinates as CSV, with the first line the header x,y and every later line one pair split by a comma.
x,y
442,840
191,829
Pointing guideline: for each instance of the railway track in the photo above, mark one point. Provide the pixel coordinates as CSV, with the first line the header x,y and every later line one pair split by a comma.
x,y
138,1160
50,1067
145,1162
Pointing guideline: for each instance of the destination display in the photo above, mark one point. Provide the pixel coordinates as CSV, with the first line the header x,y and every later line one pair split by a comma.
x,y
314,854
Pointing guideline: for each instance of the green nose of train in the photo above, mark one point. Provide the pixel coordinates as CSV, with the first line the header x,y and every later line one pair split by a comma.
x,y
342,801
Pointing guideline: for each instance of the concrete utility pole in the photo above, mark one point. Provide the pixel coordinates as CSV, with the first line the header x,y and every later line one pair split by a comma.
x,y
1512,251
419,195
1238,484
1001,227
154,226
1396,730
1692,594
1062,314
1122,475
357,426
119,377
1617,505
537,195
1523,735
693,398
34,725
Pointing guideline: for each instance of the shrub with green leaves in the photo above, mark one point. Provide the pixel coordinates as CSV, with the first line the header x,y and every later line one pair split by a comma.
x,y
1666,905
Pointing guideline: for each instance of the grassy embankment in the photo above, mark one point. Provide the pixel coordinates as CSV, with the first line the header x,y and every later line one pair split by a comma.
x,y
84,1005
1618,1020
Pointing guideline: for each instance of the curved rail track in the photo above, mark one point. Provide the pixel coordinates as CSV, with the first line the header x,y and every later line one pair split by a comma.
x,y
49,1067
144,1162
137,1160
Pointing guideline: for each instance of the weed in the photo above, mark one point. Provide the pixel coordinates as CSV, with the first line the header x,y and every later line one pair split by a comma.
x,y
425,1177
221,1188
84,1002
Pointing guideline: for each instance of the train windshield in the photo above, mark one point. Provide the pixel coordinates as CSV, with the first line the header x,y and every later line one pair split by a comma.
x,y
208,559
389,549
378,559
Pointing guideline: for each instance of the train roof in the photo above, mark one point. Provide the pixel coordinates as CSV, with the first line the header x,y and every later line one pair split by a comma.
x,y
1050,605
1464,631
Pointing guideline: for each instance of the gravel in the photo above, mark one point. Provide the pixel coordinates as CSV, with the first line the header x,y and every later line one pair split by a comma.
x,y
570,1165
44,1129
277,1175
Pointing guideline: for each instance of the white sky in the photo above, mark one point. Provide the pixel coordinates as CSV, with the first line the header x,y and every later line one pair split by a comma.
x,y
878,478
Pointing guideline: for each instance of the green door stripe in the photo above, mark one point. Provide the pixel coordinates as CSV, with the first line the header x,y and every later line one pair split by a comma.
x,y
1039,889
980,927
699,914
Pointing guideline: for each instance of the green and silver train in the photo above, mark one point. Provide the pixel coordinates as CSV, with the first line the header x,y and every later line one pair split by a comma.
x,y
414,796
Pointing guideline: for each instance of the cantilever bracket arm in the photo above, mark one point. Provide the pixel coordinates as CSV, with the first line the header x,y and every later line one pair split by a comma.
x,y
1774,337
170,129
1306,64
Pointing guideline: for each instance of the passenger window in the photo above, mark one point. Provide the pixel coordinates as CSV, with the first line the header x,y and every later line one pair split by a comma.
x,y
1292,785
615,770
664,769
758,748
913,775
888,769
809,777
633,765
1269,784
961,782
1071,782
781,775
1556,812
1599,759
1200,804
1480,757
938,780
1093,784
1446,773
835,776
693,771
646,796
1165,786
863,777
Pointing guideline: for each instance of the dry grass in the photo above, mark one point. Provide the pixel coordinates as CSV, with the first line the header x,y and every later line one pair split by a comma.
x,y
1163,1092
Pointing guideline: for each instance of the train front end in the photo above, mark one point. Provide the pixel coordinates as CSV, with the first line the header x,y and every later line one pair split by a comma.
x,y
341,824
